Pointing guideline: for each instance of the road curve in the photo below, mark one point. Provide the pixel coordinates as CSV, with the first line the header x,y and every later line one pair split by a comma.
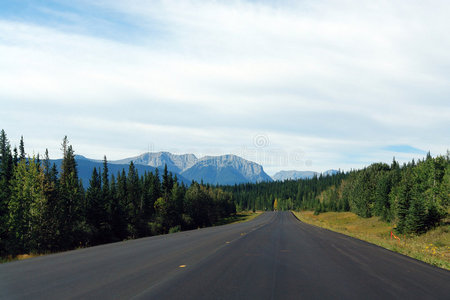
x,y
271,257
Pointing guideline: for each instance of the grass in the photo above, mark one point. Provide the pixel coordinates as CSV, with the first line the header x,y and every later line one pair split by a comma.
x,y
432,247
240,217
18,257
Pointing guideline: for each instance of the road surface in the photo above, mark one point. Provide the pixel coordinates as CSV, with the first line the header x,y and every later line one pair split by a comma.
x,y
271,257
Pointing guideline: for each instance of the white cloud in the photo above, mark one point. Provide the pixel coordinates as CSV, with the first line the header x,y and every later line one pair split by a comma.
x,y
331,79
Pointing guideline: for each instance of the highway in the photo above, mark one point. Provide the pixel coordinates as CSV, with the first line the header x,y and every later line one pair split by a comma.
x,y
274,256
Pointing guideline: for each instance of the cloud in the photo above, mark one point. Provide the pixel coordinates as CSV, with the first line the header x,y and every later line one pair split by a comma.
x,y
404,149
328,80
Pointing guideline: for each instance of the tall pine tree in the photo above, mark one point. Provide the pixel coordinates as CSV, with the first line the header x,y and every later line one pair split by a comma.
x,y
6,174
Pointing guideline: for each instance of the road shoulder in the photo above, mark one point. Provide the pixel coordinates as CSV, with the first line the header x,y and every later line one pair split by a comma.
x,y
432,248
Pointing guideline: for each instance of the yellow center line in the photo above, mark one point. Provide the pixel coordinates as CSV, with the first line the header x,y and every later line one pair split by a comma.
x,y
182,266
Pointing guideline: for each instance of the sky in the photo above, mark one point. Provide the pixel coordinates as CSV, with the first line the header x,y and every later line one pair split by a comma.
x,y
292,85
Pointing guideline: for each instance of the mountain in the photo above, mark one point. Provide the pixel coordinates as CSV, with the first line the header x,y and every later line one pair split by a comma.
x,y
226,170
223,170
294,175
175,163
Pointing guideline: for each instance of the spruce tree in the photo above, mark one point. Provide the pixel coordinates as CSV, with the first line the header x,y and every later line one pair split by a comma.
x,y
39,207
27,206
6,174
95,209
123,216
416,218
19,208
116,211
22,149
105,180
165,181
50,229
133,195
70,200
404,199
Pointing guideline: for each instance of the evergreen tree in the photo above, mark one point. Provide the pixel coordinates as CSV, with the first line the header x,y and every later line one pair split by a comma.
x,y
38,235
166,182
416,218
15,157
382,191
147,201
404,199
26,207
19,210
121,216
133,203
95,208
50,223
22,149
70,207
6,173
106,203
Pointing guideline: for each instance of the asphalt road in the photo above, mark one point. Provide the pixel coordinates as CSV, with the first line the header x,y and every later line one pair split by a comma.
x,y
272,257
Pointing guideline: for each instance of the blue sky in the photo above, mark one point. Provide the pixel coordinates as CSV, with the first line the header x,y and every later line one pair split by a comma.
x,y
306,85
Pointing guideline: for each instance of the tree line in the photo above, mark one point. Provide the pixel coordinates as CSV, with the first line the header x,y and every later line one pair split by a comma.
x,y
415,196
43,209
288,194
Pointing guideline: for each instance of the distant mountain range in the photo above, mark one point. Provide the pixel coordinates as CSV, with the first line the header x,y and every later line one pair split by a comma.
x,y
224,170
294,175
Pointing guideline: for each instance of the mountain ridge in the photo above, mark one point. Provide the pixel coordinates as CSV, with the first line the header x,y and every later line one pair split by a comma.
x,y
225,169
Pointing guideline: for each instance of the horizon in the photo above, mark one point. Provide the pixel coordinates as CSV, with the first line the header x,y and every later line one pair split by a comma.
x,y
291,86
271,174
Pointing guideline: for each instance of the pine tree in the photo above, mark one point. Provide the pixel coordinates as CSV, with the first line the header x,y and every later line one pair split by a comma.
x,y
416,218
22,149
27,206
38,207
106,199
50,227
147,202
6,174
96,217
70,200
404,199
105,180
118,208
382,190
19,210
166,186
133,196
15,157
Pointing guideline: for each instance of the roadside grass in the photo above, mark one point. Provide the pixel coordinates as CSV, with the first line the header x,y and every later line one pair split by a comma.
x,y
240,217
19,257
432,247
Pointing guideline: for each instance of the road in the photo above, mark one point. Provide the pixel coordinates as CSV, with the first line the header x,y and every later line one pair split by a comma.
x,y
271,257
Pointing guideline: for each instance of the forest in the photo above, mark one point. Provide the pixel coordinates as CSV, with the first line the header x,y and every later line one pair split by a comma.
x,y
43,210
